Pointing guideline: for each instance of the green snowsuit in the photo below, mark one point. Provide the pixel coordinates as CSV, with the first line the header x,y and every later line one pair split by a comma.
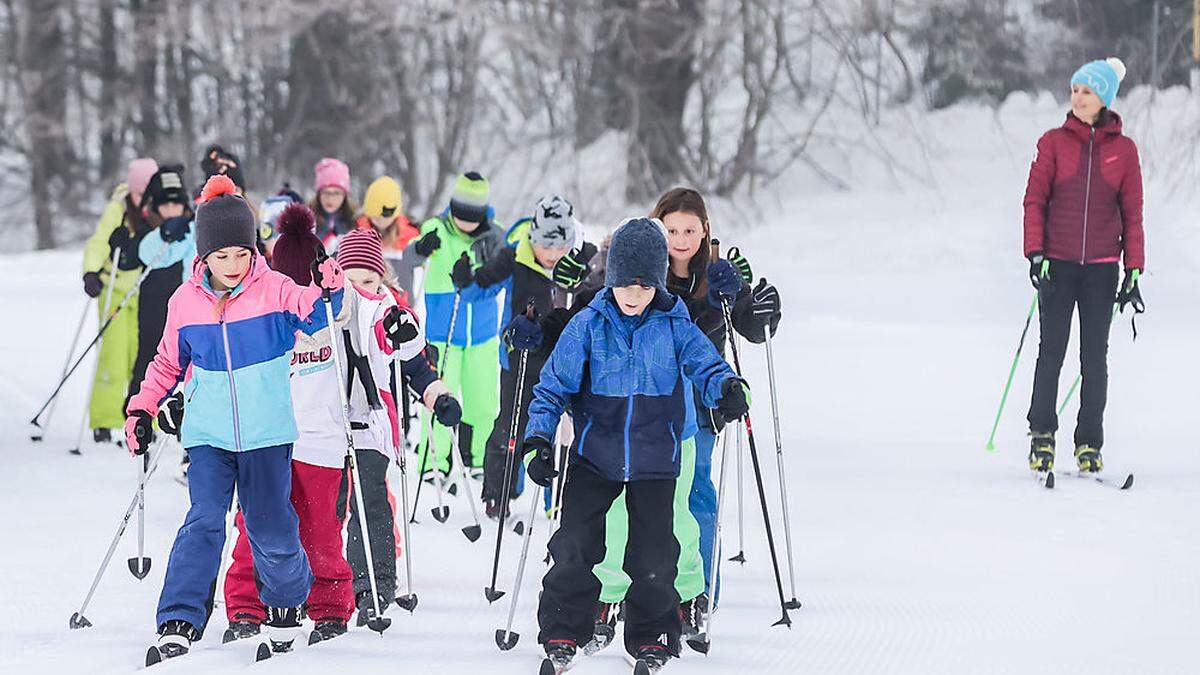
x,y
471,358
689,579
114,365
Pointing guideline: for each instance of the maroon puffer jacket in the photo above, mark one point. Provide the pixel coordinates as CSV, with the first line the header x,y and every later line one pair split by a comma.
x,y
1084,198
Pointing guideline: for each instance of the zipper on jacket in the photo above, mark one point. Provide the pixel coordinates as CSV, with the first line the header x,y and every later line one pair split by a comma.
x,y
237,433
628,424
1087,197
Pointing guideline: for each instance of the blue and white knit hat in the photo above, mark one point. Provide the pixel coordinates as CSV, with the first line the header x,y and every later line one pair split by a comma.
x,y
1103,77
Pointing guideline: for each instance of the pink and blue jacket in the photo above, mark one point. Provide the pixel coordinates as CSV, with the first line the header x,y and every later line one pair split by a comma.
x,y
235,357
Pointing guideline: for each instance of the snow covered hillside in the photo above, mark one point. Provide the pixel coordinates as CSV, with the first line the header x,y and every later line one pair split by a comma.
x,y
916,550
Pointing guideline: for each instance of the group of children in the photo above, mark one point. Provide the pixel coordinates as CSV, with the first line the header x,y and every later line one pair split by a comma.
x,y
627,341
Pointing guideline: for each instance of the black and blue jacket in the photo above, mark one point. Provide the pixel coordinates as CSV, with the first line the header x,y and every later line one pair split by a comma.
x,y
623,380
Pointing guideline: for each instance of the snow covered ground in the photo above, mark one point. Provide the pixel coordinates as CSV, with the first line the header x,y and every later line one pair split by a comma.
x,y
916,550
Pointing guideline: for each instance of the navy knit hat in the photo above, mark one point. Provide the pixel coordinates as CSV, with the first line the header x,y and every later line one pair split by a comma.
x,y
223,218
637,254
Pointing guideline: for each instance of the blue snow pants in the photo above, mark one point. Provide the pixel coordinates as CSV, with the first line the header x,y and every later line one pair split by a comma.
x,y
264,484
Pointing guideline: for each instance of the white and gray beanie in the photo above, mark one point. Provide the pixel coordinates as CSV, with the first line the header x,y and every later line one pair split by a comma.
x,y
554,224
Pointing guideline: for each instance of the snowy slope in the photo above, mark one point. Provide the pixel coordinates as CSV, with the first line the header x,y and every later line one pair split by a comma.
x,y
916,550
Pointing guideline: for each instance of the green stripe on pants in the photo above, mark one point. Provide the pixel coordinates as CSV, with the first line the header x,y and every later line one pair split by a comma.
x,y
689,580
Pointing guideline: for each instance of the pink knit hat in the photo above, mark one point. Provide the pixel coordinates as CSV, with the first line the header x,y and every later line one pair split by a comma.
x,y
139,174
332,173
361,248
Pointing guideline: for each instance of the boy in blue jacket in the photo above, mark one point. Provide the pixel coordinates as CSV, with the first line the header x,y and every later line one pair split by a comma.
x,y
625,368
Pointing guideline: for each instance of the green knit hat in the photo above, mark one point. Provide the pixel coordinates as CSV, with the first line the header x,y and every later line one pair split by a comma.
x,y
470,199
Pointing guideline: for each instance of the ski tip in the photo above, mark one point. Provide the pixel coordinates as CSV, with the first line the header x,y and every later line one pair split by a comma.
x,y
1049,480
547,668
75,451
263,652
153,656
519,528
472,532
640,667
1128,482
506,639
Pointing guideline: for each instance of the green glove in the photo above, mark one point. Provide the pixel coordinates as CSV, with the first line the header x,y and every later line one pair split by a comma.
x,y
743,266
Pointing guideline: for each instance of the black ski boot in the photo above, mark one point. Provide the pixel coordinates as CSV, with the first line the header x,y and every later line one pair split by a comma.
x,y
175,638
560,656
651,658
326,629
1041,451
606,627
243,626
102,435
492,508
691,613
366,609
283,627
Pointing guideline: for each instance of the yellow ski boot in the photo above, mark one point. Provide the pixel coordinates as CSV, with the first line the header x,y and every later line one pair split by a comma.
x,y
1089,459
1041,451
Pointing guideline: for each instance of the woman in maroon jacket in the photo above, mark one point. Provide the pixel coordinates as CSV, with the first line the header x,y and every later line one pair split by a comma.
x,y
1083,213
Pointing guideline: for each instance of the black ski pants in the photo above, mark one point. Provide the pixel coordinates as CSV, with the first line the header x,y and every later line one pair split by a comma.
x,y
570,590
372,467
1093,289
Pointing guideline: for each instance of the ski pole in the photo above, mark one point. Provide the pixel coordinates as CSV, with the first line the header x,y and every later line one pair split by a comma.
x,y
407,601
38,434
701,642
556,506
441,371
140,566
506,638
1079,377
95,340
762,495
78,620
377,623
991,445
87,402
741,554
471,532
783,495
440,512
490,592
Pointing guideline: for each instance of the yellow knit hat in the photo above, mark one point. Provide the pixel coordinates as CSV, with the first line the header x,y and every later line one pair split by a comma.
x,y
383,198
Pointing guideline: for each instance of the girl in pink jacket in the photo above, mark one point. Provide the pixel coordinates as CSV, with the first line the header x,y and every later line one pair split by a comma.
x,y
229,336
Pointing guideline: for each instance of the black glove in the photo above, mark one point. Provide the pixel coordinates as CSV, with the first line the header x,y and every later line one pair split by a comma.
x,y
139,432
399,327
743,266
462,275
571,269
447,410
170,415
724,282
1129,293
432,354
121,240
735,399
764,305
541,468
175,229
92,284
1039,270
427,244
523,333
